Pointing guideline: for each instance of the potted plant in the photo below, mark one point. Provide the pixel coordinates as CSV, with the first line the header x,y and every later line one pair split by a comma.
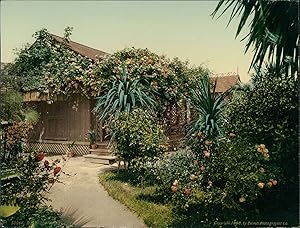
x,y
92,139
71,152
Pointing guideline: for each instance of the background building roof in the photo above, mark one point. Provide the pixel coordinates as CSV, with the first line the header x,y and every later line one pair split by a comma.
x,y
225,82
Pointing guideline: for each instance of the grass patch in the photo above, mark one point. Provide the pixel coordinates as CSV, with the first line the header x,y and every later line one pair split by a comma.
x,y
141,200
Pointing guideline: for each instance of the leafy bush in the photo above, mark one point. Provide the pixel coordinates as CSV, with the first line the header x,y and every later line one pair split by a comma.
x,y
32,174
45,216
35,217
18,120
224,174
176,166
267,112
168,79
137,137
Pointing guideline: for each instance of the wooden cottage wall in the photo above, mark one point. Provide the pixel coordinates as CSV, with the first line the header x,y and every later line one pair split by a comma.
x,y
63,120
79,119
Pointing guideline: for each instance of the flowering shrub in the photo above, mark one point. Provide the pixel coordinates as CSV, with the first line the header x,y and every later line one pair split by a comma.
x,y
25,175
226,174
267,112
51,67
169,79
36,175
137,137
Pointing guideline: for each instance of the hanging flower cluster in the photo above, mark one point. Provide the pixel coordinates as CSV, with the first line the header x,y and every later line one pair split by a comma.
x,y
159,72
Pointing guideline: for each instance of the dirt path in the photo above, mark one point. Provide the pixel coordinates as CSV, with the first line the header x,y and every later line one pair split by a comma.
x,y
83,191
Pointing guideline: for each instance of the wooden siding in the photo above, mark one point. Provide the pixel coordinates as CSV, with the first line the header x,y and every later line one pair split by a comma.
x,y
63,120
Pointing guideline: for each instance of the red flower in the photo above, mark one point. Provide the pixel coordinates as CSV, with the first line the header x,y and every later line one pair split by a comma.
x,y
39,156
46,164
56,170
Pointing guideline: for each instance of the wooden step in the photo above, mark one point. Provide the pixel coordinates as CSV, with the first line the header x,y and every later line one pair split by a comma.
x,y
100,151
106,150
106,160
102,145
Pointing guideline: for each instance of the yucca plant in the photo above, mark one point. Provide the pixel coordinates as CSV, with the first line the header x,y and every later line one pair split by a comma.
x,y
208,106
123,96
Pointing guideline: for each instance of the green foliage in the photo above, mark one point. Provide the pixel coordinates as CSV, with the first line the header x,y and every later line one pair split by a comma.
x,y
273,29
10,105
33,182
35,218
92,136
9,174
24,178
28,66
11,208
123,96
225,175
7,210
137,137
51,67
13,109
168,79
267,112
208,106
177,166
20,120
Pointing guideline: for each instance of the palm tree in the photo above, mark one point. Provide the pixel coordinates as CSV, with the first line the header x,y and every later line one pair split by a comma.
x,y
273,29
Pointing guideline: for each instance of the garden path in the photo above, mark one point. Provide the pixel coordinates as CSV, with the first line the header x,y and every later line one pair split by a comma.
x,y
83,191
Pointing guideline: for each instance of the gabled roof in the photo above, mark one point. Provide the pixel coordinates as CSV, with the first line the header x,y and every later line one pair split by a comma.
x,y
225,82
81,49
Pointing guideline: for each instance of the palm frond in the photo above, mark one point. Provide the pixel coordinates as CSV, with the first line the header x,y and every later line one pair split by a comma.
x,y
71,217
273,28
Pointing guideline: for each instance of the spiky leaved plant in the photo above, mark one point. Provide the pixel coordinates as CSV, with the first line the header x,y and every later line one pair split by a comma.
x,y
208,106
123,95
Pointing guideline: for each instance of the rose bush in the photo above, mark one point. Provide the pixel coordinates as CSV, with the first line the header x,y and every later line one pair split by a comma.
x,y
266,111
233,177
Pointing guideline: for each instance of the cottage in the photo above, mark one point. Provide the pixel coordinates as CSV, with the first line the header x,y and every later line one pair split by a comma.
x,y
67,121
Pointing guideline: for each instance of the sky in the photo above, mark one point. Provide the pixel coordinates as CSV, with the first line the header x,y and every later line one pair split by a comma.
x,y
181,29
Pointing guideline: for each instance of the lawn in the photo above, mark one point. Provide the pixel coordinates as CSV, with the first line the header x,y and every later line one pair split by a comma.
x,y
141,200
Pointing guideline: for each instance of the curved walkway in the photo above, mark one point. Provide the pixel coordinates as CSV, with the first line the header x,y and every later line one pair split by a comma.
x,y
82,190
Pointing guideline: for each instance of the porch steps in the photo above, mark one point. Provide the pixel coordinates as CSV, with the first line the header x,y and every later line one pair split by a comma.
x,y
101,155
106,160
102,145
101,150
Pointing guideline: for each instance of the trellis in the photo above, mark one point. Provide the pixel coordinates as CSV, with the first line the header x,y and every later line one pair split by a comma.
x,y
59,147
